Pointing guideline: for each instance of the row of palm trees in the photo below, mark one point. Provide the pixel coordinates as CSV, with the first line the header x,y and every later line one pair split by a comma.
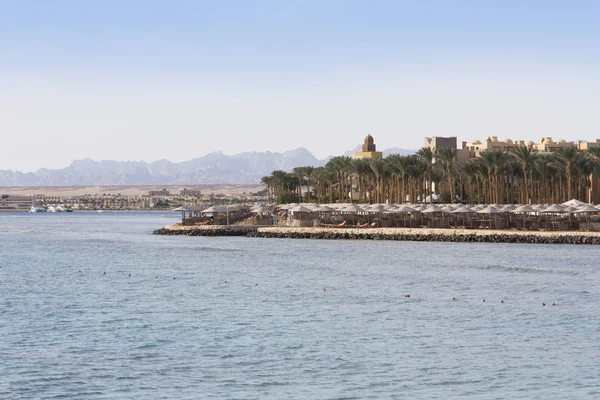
x,y
518,176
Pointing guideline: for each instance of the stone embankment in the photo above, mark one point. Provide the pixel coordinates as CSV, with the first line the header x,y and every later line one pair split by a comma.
x,y
207,230
401,234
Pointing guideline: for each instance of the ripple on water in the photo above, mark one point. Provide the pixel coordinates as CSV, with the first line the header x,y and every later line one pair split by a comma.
x,y
66,334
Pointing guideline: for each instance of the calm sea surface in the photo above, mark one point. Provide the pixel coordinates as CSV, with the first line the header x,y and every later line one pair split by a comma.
x,y
92,306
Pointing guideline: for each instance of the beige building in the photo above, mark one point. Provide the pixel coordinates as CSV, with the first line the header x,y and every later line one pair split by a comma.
x,y
369,150
191,192
545,145
161,192
437,142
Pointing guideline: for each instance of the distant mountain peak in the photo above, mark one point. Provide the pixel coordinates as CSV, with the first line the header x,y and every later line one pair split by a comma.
x,y
212,168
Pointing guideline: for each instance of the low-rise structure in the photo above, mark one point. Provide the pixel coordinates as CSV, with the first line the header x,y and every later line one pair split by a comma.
x,y
161,192
191,192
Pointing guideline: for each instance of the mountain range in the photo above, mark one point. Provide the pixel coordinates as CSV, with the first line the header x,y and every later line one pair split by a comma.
x,y
213,168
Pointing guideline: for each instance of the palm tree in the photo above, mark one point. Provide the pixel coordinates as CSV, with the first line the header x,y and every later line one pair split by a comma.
x,y
428,156
526,157
341,166
361,168
378,168
567,157
446,156
269,182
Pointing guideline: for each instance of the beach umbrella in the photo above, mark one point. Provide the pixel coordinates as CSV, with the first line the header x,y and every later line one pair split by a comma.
x,y
488,210
352,208
447,208
325,208
215,209
300,209
554,209
574,203
463,210
432,209
587,209
261,210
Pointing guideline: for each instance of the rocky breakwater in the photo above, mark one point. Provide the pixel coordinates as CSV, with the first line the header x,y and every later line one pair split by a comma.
x,y
431,235
206,230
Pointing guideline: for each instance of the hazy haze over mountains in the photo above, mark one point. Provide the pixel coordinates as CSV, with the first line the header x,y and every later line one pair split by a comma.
x,y
213,168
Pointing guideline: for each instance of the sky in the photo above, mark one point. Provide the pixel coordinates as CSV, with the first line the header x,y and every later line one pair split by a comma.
x,y
149,80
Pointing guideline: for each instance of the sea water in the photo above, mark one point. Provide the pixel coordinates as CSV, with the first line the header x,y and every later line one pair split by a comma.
x,y
93,306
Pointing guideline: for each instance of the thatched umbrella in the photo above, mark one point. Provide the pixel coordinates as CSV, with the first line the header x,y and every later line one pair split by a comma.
x,y
524,209
553,209
433,210
587,209
491,211
352,209
261,210
464,211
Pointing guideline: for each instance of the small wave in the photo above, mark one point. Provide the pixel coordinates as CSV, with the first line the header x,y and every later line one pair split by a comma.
x,y
17,230
525,270
215,249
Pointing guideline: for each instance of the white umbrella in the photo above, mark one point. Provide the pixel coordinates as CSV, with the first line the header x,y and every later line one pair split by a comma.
x,y
488,210
261,210
554,208
587,208
352,208
524,209
574,203
300,209
215,209
432,209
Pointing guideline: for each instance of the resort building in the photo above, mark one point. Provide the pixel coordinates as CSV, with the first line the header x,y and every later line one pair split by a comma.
x,y
369,150
16,203
191,192
437,142
161,192
545,145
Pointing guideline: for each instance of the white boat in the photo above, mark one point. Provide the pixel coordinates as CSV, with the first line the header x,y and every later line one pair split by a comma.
x,y
53,209
63,209
35,208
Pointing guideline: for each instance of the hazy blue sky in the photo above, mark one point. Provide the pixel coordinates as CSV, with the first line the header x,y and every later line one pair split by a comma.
x,y
145,80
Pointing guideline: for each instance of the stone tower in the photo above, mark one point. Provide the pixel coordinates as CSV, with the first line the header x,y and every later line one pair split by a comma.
x,y
368,150
369,144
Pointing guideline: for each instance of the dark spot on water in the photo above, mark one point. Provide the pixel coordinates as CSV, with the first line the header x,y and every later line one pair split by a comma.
x,y
129,274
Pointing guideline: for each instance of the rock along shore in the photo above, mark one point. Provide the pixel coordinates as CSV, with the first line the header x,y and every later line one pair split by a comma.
x,y
401,234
